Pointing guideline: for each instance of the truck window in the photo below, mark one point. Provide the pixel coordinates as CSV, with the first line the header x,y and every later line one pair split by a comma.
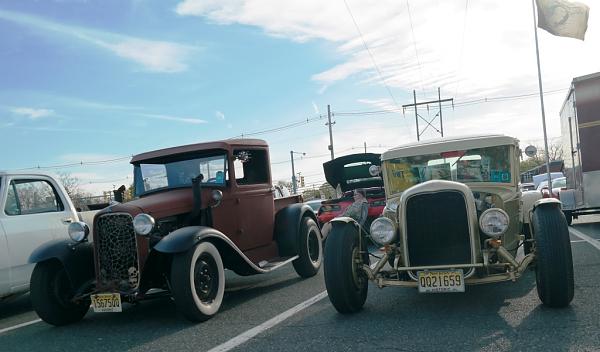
x,y
254,167
31,197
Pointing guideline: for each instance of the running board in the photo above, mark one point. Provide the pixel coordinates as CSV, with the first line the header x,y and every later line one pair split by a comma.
x,y
275,263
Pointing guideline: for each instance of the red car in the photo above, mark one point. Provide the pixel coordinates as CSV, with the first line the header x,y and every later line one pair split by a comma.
x,y
348,173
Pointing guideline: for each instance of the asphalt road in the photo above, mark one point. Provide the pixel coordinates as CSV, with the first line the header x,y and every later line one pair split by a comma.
x,y
501,317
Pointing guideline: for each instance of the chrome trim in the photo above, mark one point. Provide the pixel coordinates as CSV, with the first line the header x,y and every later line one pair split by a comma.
x,y
436,186
217,234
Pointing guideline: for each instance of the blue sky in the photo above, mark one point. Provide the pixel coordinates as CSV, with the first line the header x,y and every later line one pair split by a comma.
x,y
101,80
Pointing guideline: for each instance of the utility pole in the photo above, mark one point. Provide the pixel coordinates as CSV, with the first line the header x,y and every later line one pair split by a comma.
x,y
294,180
365,147
439,101
330,147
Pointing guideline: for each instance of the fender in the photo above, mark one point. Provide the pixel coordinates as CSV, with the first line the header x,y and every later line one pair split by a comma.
x,y
77,259
341,220
185,238
287,225
545,202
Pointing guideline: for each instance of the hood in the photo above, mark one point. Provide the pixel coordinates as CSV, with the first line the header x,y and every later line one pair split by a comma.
x,y
352,171
159,204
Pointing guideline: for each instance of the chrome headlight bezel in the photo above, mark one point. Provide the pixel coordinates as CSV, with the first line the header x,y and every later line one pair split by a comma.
x,y
143,224
383,231
499,227
78,231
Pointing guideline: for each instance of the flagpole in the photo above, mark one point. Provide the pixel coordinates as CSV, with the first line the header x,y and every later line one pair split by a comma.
x,y
537,53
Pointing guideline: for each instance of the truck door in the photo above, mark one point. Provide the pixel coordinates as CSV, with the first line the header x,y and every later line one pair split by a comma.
x,y
254,200
32,214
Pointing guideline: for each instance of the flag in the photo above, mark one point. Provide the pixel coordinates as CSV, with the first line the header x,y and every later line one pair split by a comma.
x,y
563,18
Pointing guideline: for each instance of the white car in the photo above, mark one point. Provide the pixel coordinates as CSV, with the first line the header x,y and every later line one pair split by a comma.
x,y
34,209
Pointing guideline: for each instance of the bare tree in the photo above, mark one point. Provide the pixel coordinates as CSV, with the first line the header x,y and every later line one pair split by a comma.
x,y
73,187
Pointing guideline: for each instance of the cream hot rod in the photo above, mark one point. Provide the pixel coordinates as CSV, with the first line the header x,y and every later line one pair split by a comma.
x,y
454,217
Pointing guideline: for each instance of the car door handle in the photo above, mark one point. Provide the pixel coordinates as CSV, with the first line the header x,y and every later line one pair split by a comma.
x,y
66,220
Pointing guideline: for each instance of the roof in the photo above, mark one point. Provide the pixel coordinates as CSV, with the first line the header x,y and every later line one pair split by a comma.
x,y
223,144
577,80
23,173
439,145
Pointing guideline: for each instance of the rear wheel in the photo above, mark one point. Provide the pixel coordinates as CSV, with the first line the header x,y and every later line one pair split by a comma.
x,y
198,282
346,282
554,267
52,294
310,249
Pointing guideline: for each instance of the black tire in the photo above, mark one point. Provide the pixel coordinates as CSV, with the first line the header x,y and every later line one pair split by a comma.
x,y
346,283
198,282
554,266
569,217
51,293
310,249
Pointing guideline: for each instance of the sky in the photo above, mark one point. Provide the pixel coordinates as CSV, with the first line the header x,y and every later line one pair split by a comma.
x,y
87,84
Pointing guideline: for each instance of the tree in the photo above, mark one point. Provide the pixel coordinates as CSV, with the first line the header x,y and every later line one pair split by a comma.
x,y
311,194
556,153
74,191
327,192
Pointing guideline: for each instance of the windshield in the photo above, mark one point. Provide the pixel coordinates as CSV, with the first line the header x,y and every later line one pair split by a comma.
x,y
491,164
155,176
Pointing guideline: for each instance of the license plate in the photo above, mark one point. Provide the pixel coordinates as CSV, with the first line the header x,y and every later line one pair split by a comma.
x,y
441,281
106,302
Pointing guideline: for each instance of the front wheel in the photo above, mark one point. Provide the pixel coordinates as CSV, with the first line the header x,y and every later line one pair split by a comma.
x,y
310,249
346,283
554,268
52,294
198,282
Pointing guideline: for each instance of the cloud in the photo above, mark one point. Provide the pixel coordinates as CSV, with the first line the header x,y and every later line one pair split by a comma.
x,y
467,53
220,115
32,113
315,107
190,120
152,55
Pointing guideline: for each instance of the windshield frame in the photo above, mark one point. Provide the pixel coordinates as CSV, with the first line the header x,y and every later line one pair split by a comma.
x,y
512,160
140,190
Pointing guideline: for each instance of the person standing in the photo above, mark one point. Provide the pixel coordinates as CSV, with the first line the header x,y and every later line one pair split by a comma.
x,y
358,210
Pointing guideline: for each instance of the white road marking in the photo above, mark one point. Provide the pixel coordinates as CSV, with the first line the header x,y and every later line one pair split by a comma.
x,y
249,334
15,327
579,241
585,237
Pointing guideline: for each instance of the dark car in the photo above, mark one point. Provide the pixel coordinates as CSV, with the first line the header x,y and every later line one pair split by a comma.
x,y
348,173
200,209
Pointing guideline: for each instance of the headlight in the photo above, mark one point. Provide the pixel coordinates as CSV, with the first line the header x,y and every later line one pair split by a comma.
x,y
383,230
143,224
78,231
494,222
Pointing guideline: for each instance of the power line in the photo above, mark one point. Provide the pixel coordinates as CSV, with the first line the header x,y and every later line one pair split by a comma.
x,y
81,163
458,104
371,55
462,47
412,30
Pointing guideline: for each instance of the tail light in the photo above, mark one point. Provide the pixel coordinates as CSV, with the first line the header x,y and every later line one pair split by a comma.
x,y
328,208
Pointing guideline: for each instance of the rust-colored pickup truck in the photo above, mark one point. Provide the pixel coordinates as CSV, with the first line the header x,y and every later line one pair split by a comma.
x,y
199,209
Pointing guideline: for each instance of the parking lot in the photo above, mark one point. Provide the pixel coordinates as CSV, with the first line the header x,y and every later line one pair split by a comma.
x,y
280,311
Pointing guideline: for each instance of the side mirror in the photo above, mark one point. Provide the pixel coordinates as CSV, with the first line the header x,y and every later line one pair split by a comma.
x,y
216,197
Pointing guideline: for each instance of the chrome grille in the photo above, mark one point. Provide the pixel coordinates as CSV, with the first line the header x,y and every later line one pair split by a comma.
x,y
437,226
117,251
